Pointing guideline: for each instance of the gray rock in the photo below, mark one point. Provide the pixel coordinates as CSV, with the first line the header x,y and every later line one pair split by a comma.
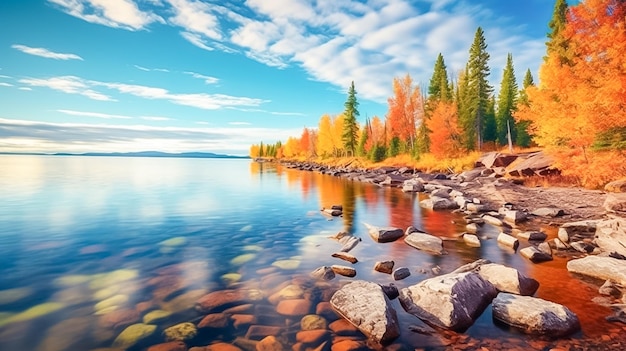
x,y
507,279
514,216
452,301
441,192
548,212
615,202
349,242
412,186
391,291
475,208
411,229
545,247
577,231
401,273
366,306
438,203
384,234
610,288
425,242
534,315
559,245
600,267
535,255
611,235
582,246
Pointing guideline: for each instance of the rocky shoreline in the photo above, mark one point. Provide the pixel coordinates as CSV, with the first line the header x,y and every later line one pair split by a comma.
x,y
592,235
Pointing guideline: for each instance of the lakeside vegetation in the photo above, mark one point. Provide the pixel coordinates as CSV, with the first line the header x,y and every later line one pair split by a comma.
x,y
576,114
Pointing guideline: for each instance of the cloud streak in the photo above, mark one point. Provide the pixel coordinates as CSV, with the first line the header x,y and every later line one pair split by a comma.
x,y
123,14
32,136
77,85
41,52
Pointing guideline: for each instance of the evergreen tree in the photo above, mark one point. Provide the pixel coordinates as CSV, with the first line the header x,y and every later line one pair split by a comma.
x,y
478,91
350,127
557,44
522,138
439,88
490,127
507,102
261,153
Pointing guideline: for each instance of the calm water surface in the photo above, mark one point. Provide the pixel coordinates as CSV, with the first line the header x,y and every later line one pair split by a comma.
x,y
89,245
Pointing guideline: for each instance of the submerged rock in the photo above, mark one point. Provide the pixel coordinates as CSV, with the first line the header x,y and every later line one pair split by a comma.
x,y
133,335
425,242
451,301
180,332
534,315
384,266
365,305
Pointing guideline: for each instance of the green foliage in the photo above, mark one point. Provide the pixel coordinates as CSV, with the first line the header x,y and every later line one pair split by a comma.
x,y
394,147
612,139
261,150
363,140
439,88
378,153
522,137
489,128
557,44
507,103
478,91
350,127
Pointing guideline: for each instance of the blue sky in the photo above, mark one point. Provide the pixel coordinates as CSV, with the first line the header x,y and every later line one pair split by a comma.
x,y
209,75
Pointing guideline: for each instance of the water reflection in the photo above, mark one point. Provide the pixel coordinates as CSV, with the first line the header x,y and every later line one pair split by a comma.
x,y
161,233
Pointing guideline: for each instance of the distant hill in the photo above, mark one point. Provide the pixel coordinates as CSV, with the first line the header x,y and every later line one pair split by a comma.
x,y
139,154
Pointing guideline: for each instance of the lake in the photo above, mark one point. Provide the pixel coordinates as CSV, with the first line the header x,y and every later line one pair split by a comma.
x,y
91,245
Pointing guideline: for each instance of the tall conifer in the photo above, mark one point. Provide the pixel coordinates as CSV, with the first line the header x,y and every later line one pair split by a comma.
x,y
507,102
522,137
478,92
350,127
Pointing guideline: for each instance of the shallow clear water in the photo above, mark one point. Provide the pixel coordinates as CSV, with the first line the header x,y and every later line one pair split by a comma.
x,y
78,231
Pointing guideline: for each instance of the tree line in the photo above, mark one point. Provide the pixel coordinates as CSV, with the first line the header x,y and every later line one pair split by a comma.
x,y
577,113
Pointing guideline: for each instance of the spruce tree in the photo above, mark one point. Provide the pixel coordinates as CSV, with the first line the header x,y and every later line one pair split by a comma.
x,y
364,137
490,128
438,89
350,127
522,137
478,91
507,103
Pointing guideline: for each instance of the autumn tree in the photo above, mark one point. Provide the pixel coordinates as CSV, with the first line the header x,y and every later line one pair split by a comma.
x,y
507,102
405,111
582,99
350,126
446,135
477,93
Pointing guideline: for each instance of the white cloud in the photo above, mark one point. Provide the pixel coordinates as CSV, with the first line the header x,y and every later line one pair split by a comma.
x,y
207,79
113,13
196,40
195,17
145,69
93,114
155,118
3,84
45,53
32,136
25,88
67,84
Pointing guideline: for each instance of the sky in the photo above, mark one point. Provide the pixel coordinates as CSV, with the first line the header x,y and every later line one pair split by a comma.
x,y
219,75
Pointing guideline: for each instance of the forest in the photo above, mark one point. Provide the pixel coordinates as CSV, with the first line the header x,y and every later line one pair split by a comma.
x,y
576,112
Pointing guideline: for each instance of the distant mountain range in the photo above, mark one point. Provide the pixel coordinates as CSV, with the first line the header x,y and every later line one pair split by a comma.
x,y
137,154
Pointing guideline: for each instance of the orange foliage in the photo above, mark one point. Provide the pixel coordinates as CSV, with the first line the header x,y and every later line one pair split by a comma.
x,y
445,133
405,109
329,136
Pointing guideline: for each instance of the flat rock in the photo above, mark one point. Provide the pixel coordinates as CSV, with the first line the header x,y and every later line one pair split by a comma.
x,y
548,212
425,242
577,231
365,305
438,203
133,335
343,270
452,301
345,256
471,240
220,300
508,279
401,273
534,315
532,236
611,235
508,240
600,267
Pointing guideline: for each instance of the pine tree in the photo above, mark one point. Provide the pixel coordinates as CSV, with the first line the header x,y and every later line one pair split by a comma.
x,y
361,151
490,126
557,44
439,88
507,102
350,127
478,91
522,137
